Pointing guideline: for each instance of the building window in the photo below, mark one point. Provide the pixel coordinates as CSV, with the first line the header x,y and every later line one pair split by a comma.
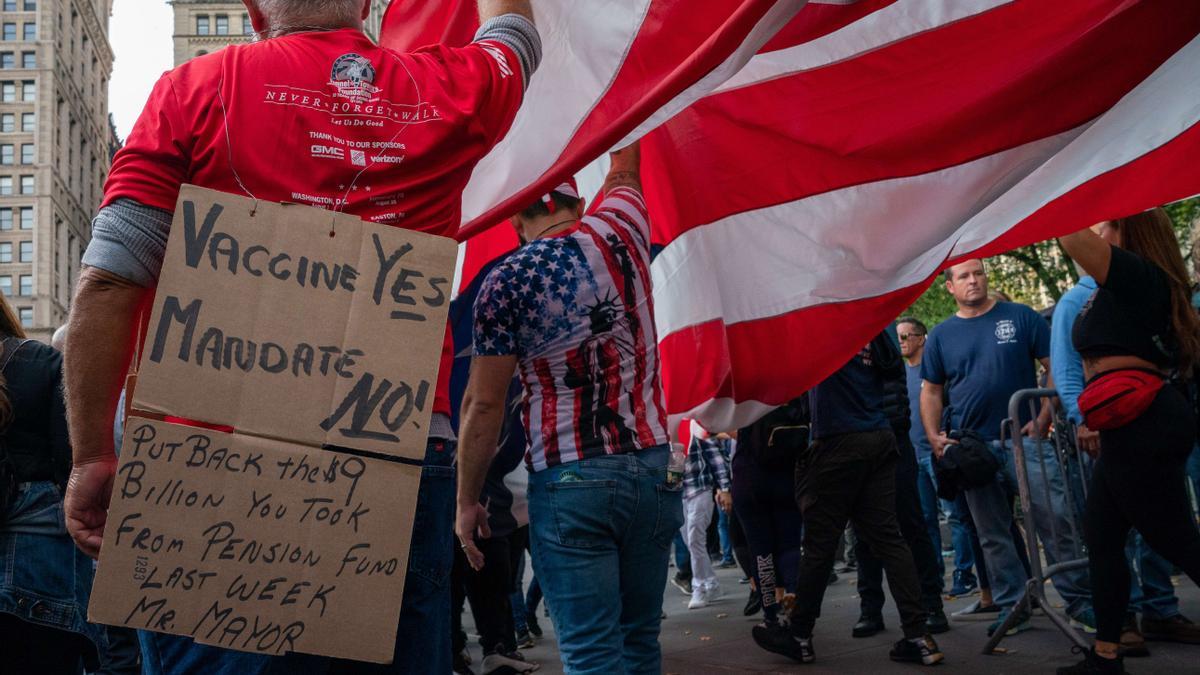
x,y
8,60
5,251
10,5
8,92
6,189
6,153
5,219
28,60
31,31
30,5
222,24
27,153
6,285
26,185
8,123
28,90
247,27
27,218
202,25
26,252
26,288
10,32
26,317
26,121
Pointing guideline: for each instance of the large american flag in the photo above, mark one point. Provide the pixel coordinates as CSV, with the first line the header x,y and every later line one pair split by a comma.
x,y
810,167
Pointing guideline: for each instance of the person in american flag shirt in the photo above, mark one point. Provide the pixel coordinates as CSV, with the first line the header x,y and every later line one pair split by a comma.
x,y
571,313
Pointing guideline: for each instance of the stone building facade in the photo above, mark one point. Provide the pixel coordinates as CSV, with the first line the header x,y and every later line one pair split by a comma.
x,y
55,143
204,26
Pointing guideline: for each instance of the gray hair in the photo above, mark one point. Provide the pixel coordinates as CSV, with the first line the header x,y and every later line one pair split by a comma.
x,y
311,12
59,339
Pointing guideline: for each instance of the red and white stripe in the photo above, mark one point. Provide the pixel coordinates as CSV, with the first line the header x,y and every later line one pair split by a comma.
x,y
812,197
809,181
606,67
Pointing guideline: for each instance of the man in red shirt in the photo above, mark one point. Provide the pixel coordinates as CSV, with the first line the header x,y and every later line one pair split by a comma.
x,y
311,112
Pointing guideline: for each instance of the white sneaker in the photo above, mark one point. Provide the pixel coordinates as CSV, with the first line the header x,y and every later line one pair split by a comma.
x,y
712,591
699,599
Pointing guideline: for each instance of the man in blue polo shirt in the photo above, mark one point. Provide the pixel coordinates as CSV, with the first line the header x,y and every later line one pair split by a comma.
x,y
985,353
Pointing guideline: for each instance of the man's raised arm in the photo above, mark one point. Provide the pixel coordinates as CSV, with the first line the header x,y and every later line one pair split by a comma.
x,y
625,170
490,9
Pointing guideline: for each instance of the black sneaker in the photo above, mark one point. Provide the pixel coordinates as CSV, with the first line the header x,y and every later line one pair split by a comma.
x,y
867,626
524,640
753,603
921,650
776,638
531,623
833,577
1093,665
937,623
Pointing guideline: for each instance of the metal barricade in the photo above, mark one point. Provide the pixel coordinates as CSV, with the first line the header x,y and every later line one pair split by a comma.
x,y
1074,467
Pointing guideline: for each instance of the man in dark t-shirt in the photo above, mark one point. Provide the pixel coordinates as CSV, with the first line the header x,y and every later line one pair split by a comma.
x,y
849,473
985,353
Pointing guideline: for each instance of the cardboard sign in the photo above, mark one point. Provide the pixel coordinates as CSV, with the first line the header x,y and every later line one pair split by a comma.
x,y
297,323
255,544
312,339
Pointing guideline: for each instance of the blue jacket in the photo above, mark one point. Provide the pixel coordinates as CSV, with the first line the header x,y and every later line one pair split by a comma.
x,y
44,578
1065,363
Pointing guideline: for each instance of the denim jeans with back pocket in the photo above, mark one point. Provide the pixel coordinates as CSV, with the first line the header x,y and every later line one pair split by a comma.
x,y
601,529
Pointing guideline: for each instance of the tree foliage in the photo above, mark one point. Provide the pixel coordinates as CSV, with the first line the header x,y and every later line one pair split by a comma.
x,y
1038,275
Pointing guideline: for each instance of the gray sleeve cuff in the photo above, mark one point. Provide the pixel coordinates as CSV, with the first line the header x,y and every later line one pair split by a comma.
x,y
130,241
520,35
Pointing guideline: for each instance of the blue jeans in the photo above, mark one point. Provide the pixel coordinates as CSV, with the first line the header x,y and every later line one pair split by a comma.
x,y
927,490
723,536
683,557
991,508
600,530
1154,597
423,635
958,515
1074,586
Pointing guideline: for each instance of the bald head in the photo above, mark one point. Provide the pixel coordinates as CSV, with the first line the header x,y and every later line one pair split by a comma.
x,y
59,339
306,14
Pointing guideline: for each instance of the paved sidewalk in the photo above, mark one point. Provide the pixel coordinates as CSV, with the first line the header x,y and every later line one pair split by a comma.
x,y
717,640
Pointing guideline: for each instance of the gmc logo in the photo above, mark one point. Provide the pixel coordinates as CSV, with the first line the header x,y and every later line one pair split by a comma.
x,y
329,151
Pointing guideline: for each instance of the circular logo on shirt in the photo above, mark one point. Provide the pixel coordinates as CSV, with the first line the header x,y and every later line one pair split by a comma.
x,y
1005,330
352,75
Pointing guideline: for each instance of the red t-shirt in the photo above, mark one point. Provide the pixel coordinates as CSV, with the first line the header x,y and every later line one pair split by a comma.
x,y
327,119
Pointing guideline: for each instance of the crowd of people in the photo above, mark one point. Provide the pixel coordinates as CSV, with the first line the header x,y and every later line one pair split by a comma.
x,y
562,451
